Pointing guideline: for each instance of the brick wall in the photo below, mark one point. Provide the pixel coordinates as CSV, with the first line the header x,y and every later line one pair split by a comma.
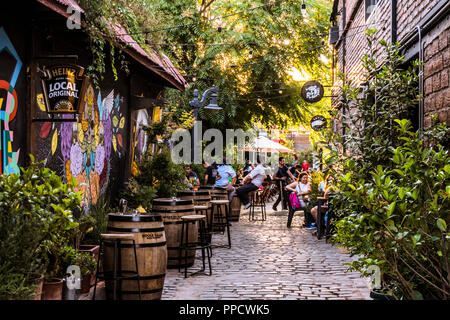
x,y
436,76
409,14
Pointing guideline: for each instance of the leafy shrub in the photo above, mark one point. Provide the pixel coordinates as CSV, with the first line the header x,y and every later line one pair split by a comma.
x,y
35,224
392,208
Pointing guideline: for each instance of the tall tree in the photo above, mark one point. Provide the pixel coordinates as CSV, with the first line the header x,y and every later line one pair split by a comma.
x,y
249,55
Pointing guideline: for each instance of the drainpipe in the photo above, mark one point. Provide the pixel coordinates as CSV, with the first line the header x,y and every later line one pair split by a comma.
x,y
344,22
421,92
393,21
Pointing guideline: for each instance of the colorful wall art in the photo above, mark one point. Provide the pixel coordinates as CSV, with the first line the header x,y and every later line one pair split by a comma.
x,y
8,109
85,149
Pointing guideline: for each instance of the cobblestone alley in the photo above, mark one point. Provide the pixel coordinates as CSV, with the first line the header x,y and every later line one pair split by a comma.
x,y
269,261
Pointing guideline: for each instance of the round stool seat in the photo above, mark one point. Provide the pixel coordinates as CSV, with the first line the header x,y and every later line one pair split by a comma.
x,y
193,217
201,207
118,236
220,201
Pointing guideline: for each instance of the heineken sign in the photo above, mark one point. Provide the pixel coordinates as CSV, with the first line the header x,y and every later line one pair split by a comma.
x,y
318,123
312,91
63,88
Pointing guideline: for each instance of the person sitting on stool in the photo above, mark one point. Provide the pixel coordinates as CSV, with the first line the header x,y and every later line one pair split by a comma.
x,y
224,173
251,182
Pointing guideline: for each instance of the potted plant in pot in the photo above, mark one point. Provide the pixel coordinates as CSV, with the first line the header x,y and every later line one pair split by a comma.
x,y
27,219
88,265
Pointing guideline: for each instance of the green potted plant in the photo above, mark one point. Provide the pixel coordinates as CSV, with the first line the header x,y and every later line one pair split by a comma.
x,y
31,205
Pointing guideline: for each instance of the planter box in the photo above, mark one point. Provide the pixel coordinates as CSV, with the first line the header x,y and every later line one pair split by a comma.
x,y
38,291
93,249
53,289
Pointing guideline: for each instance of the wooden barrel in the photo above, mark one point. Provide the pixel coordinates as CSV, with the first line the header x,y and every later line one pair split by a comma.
x,y
151,251
171,211
200,197
217,193
235,208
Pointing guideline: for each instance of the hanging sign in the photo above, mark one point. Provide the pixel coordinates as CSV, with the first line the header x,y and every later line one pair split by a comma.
x,y
63,88
312,91
318,123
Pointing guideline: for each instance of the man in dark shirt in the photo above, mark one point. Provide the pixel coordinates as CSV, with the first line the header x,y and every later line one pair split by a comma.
x,y
211,173
281,178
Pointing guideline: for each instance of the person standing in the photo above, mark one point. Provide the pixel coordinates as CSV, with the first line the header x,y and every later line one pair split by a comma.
x,y
224,173
305,165
211,173
281,178
251,182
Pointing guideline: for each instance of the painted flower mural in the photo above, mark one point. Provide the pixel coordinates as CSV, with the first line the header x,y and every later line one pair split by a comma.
x,y
86,146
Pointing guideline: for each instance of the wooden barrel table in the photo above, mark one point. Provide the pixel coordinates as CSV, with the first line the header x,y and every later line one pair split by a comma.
x,y
217,193
235,208
171,210
151,251
200,198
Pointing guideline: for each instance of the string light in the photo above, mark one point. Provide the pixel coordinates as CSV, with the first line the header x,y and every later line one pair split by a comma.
x,y
303,9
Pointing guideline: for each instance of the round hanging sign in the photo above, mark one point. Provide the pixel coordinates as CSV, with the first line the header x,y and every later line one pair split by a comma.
x,y
312,91
318,123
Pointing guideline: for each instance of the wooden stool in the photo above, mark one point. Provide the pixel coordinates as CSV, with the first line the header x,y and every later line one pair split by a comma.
x,y
201,244
115,239
203,210
222,222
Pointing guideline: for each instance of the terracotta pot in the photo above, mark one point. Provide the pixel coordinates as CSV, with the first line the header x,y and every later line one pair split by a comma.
x,y
86,281
93,249
38,290
52,289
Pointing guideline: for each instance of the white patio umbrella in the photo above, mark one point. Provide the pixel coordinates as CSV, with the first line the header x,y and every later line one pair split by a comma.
x,y
263,144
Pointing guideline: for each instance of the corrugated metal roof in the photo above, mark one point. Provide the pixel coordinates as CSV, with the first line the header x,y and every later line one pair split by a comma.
x,y
151,58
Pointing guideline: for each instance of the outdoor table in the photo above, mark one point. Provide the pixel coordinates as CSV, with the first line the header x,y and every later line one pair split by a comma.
x,y
151,254
171,210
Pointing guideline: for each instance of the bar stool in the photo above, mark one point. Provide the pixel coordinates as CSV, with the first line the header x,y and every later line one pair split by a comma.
x,y
201,244
222,221
203,210
113,239
257,201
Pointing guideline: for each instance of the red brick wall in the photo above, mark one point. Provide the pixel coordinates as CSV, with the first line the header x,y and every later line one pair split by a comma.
x,y
436,78
409,14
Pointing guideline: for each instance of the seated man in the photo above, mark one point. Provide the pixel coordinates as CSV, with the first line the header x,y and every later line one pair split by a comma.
x,y
251,182
224,173
191,176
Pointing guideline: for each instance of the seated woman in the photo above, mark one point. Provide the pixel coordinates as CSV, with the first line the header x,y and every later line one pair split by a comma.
x,y
301,190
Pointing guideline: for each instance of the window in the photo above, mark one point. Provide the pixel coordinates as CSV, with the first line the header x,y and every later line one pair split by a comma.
x,y
370,6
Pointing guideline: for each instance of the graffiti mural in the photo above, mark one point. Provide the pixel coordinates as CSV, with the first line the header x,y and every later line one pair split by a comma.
x,y
8,110
85,148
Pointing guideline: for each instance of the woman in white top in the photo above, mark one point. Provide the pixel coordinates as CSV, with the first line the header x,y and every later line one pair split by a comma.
x,y
301,188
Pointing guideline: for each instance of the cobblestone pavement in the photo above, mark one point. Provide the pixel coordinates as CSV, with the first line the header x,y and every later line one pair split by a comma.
x,y
269,261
